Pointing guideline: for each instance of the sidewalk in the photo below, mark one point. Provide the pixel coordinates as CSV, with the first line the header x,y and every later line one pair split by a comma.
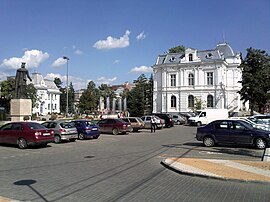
x,y
258,171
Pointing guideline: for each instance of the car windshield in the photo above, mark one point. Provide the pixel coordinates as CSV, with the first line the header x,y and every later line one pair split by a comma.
x,y
66,125
34,126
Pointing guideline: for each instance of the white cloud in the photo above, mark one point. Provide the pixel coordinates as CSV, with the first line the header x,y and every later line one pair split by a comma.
x,y
32,58
111,42
141,36
59,62
78,52
77,82
116,61
141,69
104,80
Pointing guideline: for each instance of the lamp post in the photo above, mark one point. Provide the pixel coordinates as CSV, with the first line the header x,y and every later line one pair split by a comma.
x,y
67,59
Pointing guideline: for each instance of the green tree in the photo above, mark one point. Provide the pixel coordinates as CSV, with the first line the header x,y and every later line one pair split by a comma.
x,y
137,103
255,78
71,98
7,92
177,49
199,104
31,93
89,99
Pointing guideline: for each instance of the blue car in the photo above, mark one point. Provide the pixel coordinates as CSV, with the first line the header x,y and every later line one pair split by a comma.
x,y
232,132
86,129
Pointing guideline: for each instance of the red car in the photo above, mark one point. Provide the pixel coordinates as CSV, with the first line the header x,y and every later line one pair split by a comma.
x,y
114,126
25,133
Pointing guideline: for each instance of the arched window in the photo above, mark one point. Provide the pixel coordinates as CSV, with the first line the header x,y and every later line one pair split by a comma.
x,y
191,79
210,101
190,101
173,101
190,57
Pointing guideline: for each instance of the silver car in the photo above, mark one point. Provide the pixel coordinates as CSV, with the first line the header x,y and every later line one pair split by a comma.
x,y
147,121
63,130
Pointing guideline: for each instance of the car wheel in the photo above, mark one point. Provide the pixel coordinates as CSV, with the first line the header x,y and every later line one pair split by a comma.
x,y
178,123
22,144
208,141
57,139
81,136
260,143
199,123
115,131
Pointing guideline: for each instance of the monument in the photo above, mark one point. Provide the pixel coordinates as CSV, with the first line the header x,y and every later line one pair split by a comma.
x,y
21,106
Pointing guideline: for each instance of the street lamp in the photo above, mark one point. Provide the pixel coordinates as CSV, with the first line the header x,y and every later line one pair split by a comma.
x,y
67,59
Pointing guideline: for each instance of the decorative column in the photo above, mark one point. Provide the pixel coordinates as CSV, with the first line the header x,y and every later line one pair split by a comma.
x,y
113,106
120,104
125,104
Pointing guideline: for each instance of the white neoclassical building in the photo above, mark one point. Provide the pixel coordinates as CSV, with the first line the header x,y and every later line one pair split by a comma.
x,y
48,94
211,76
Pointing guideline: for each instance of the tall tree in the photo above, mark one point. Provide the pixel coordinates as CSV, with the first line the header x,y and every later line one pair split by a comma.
x,y
7,92
89,98
31,93
255,78
71,98
177,49
137,97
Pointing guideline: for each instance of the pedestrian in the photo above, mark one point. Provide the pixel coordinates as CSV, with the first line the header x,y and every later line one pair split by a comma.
x,y
153,124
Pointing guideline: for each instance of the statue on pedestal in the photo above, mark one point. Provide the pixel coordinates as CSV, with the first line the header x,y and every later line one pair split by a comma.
x,y
20,82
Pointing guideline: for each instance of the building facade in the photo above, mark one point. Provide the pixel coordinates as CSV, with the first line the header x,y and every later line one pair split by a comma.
x,y
210,76
48,94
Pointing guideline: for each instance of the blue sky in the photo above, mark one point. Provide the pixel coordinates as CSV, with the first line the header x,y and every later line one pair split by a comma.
x,y
114,41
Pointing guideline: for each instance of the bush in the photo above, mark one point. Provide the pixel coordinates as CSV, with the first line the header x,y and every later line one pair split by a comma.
x,y
53,117
26,118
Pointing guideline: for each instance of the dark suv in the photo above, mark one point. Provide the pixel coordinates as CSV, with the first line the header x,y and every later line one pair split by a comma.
x,y
168,119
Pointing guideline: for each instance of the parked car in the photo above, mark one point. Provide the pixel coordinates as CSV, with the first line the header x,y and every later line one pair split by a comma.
x,y
207,115
135,122
261,119
178,119
24,134
86,129
187,115
168,119
230,131
63,130
147,121
114,126
252,123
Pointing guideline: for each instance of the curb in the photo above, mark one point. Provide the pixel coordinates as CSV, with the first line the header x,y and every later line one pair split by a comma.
x,y
4,199
176,169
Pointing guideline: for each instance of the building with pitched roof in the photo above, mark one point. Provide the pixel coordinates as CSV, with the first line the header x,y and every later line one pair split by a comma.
x,y
48,95
211,76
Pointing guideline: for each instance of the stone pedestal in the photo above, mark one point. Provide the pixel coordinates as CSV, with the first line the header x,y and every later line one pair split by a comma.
x,y
19,108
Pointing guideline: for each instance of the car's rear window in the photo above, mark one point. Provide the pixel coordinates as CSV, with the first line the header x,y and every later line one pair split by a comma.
x,y
66,125
89,123
35,126
122,121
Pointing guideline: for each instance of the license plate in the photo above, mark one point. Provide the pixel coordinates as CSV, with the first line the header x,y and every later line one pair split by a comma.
x,y
94,128
46,134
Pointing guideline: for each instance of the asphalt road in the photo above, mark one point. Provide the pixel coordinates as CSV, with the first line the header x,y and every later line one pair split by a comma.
x,y
122,168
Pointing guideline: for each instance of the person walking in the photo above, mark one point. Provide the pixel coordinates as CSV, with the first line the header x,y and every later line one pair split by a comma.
x,y
153,124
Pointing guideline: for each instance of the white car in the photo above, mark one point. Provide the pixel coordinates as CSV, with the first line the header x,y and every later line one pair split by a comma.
x,y
255,125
